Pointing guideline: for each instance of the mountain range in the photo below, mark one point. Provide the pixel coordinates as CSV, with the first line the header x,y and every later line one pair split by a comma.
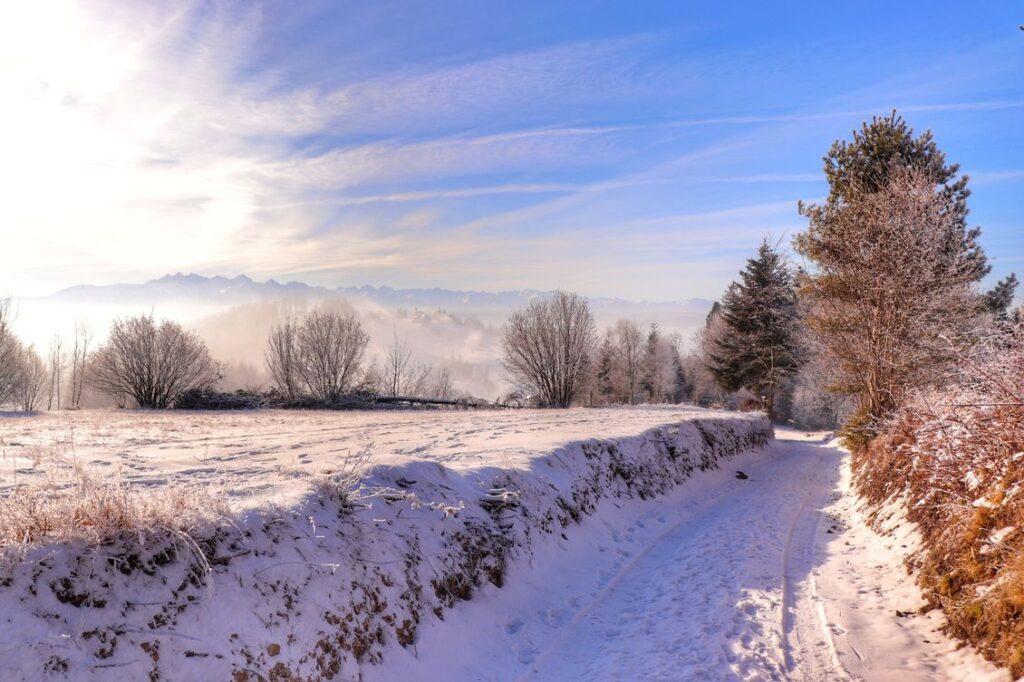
x,y
185,288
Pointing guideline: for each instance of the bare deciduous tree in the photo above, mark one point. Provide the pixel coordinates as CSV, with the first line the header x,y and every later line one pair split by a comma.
x,y
152,363
56,371
441,386
400,375
331,348
547,347
31,380
397,365
9,353
891,294
79,358
629,348
282,358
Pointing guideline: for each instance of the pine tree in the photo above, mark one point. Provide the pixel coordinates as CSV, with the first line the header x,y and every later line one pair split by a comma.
x,y
716,308
649,379
895,267
999,299
681,388
605,369
887,146
756,346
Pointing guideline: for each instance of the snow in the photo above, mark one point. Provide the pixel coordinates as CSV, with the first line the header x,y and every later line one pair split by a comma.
x,y
862,582
271,456
776,577
616,544
327,586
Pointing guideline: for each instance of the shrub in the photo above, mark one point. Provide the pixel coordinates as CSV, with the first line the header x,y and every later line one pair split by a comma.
x,y
956,459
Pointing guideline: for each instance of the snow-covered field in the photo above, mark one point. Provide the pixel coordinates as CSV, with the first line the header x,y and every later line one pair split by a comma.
x,y
303,580
271,456
616,544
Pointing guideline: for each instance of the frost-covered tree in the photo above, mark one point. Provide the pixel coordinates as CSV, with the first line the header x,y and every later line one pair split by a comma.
x,y
30,383
152,363
400,374
10,351
79,361
756,345
57,356
680,385
605,369
649,370
547,348
887,146
331,346
659,368
282,358
888,298
629,351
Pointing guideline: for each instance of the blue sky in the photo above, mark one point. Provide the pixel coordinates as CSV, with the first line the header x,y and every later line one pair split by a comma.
x,y
632,149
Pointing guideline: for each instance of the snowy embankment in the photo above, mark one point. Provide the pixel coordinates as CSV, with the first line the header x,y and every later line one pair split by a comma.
x,y
770,576
326,584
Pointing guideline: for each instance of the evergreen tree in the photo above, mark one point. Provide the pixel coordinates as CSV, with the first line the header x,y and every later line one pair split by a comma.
x,y
716,307
756,346
649,380
606,369
999,299
680,385
681,388
887,146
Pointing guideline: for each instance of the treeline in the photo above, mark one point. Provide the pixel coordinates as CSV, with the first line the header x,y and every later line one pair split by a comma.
x,y
29,380
555,356
553,353
888,317
887,299
317,360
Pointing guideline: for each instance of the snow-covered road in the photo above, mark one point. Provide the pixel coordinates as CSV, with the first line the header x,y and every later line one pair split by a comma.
x,y
769,577
714,595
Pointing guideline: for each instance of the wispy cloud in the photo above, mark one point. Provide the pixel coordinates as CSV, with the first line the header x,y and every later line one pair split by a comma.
x,y
144,138
984,177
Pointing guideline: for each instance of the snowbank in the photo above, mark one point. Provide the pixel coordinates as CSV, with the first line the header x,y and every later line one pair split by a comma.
x,y
328,583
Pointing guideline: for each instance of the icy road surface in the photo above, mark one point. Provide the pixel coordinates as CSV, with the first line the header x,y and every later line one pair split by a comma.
x,y
772,577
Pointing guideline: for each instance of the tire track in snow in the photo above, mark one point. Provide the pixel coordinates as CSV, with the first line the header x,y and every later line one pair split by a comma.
x,y
809,648
712,596
719,580
605,593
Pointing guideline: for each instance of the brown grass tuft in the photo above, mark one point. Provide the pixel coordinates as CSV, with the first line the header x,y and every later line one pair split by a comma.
x,y
71,503
956,460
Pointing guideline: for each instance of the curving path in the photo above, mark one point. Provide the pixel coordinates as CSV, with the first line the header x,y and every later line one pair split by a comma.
x,y
772,577
715,595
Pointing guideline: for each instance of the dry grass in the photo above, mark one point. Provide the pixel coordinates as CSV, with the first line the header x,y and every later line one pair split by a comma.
x,y
957,461
72,504
67,502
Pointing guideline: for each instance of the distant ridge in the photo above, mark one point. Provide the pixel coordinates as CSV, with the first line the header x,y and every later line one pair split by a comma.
x,y
243,289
